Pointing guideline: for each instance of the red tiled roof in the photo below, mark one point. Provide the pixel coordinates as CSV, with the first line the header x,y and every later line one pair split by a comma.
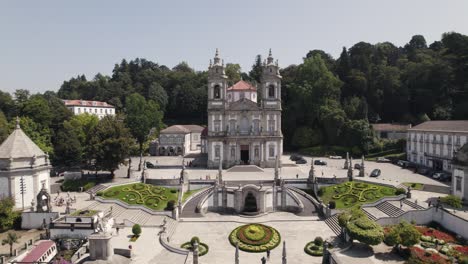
x,y
390,127
445,125
86,103
242,85
39,249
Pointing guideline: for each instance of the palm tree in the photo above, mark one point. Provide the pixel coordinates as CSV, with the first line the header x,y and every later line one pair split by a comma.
x,y
11,239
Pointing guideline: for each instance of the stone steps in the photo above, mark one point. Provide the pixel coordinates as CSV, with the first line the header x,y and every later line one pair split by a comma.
x,y
96,189
371,216
413,204
332,222
171,226
389,209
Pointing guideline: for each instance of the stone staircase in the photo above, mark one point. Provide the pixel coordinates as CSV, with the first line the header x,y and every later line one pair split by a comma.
x,y
96,189
371,216
389,209
332,222
413,204
171,226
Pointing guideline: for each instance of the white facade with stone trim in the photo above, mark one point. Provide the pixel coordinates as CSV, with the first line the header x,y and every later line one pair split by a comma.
x,y
239,130
24,169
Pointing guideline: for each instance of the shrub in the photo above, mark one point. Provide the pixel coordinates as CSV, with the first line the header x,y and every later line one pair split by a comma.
x,y
100,193
321,190
195,238
313,250
332,204
170,205
318,241
400,191
452,200
89,185
173,191
136,229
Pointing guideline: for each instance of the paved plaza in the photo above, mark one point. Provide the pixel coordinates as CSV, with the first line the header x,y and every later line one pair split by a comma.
x,y
391,174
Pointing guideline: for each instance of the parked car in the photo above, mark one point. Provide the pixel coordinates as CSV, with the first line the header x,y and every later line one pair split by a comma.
x,y
424,170
375,173
336,157
382,159
441,176
357,166
295,157
320,162
150,165
301,161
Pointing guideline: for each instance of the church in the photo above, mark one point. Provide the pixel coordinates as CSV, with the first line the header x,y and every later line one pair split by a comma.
x,y
24,169
242,131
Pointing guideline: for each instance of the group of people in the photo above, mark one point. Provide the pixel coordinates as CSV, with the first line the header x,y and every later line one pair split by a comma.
x,y
59,200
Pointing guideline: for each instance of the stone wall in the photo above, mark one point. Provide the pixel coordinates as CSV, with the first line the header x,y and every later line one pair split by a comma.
x,y
33,220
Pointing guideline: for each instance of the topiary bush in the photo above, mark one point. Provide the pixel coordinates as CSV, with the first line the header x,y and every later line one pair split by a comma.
x,y
400,191
170,205
332,205
318,241
195,238
136,229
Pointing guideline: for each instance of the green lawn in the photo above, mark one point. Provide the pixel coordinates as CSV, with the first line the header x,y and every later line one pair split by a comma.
x,y
351,194
150,196
414,185
187,194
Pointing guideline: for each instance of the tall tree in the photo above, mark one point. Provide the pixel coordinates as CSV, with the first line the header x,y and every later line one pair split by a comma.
x,y
233,72
110,143
4,131
11,239
68,149
141,117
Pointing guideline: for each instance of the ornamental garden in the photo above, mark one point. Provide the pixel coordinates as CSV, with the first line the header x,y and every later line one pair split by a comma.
x,y
354,194
255,238
150,196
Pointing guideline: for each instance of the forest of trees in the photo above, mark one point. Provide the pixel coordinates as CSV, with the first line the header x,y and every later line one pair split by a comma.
x,y
326,101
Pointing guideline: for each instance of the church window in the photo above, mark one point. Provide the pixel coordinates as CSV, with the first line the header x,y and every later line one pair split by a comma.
x,y
217,92
232,125
271,125
242,95
271,70
256,124
271,151
217,125
217,151
256,152
271,91
233,153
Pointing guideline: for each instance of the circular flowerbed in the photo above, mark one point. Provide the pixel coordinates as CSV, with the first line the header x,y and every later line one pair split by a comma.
x,y
314,250
202,248
255,237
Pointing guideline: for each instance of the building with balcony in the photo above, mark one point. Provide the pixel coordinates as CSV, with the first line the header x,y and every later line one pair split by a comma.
x,y
434,143
99,109
240,131
460,173
180,140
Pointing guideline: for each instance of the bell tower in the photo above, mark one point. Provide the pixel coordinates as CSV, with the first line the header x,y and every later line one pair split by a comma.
x,y
271,84
217,83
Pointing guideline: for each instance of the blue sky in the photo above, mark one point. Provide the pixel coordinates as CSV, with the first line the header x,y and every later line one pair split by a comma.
x,y
43,43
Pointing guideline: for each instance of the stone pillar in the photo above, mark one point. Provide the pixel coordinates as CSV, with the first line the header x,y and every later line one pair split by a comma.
x,y
224,198
195,252
283,195
346,164
215,196
284,259
35,184
100,247
361,169
12,185
236,255
350,170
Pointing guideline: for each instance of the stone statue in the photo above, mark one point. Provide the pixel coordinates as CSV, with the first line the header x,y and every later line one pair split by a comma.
x,y
43,201
350,170
33,204
312,172
346,164
361,169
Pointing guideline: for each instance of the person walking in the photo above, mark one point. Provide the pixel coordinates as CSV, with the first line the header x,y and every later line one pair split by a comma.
x,y
268,254
401,204
117,230
263,260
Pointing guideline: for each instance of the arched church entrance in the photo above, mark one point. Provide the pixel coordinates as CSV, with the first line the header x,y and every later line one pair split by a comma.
x,y
244,154
250,203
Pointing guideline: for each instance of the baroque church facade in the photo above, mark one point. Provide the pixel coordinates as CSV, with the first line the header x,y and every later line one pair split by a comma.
x,y
241,131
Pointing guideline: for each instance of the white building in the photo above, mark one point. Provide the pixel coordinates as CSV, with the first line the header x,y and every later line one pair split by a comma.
x,y
460,173
24,168
434,143
239,130
180,140
99,109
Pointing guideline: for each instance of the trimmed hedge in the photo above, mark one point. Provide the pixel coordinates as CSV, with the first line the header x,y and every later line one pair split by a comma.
x,y
202,247
314,250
